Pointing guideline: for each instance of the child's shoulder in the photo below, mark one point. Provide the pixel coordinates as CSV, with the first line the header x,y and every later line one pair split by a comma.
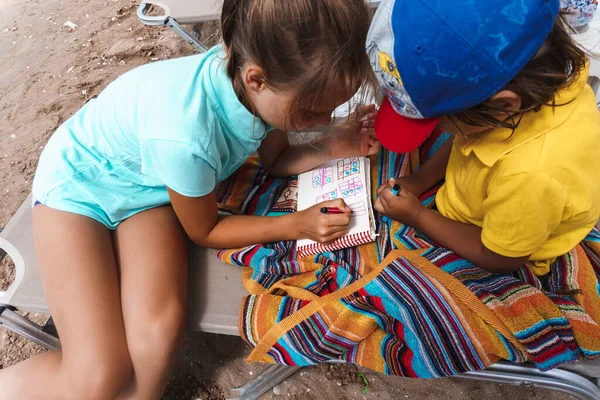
x,y
568,155
163,74
167,77
554,137
167,98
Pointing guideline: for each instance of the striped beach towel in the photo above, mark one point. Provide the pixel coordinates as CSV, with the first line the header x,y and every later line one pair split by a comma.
x,y
403,305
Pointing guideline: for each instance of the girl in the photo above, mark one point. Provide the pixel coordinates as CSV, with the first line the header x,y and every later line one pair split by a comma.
x,y
523,170
123,181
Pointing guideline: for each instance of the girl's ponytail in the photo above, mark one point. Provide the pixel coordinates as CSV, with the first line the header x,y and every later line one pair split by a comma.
x,y
231,18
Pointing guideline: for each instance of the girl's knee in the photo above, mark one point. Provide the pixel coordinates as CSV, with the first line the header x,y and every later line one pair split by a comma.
x,y
159,336
101,376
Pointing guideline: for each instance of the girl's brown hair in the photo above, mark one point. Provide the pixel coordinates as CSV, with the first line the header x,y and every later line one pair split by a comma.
x,y
314,48
556,64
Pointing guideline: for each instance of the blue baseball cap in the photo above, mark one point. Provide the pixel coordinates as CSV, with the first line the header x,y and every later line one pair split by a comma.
x,y
440,57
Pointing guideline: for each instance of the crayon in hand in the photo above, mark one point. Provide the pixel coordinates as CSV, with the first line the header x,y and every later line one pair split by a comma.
x,y
395,190
332,210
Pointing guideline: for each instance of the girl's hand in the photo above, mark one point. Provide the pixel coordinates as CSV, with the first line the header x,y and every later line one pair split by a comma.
x,y
357,138
323,228
404,208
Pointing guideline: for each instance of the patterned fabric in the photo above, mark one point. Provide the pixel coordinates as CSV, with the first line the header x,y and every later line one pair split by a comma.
x,y
403,305
579,12
287,201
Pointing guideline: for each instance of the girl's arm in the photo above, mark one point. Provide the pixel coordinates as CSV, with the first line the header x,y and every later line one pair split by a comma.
x,y
463,239
281,159
205,227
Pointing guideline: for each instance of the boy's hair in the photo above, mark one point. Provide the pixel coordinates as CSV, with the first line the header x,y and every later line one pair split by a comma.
x,y
314,48
556,64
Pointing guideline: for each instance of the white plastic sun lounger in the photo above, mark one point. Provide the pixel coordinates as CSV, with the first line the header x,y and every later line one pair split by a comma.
x,y
215,291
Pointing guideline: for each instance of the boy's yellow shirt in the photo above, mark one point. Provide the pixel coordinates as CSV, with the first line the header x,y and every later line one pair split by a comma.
x,y
535,192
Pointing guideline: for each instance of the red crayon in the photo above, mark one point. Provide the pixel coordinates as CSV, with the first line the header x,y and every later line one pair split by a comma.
x,y
332,210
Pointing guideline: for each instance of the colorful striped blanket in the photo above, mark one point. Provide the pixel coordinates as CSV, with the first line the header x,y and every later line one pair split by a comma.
x,y
403,305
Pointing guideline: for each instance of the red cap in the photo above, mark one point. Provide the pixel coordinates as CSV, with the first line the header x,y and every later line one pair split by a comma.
x,y
401,134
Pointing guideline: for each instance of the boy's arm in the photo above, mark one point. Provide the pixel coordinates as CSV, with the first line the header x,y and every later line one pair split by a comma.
x,y
205,227
463,239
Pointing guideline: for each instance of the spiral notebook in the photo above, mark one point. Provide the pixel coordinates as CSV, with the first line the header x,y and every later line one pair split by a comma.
x,y
348,179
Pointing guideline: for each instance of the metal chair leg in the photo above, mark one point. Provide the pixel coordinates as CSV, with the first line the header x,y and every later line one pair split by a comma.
x,y
265,381
158,20
526,374
188,37
22,326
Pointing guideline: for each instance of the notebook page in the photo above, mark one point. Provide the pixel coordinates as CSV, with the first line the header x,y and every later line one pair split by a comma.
x,y
346,178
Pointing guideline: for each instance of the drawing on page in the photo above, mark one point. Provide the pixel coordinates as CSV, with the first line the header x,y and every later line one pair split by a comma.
x,y
348,167
358,209
327,196
351,187
322,177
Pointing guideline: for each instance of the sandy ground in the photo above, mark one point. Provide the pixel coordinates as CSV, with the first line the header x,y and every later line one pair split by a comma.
x,y
47,71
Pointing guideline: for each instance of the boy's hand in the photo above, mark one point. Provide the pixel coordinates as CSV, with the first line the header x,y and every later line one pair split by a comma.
x,y
357,138
323,228
404,208
408,182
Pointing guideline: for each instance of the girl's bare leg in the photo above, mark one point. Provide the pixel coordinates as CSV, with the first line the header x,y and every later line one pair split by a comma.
x,y
152,258
79,273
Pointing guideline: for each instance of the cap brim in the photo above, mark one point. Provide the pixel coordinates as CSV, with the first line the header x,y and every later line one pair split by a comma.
x,y
401,134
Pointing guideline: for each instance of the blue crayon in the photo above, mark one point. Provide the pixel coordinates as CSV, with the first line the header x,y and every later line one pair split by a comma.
x,y
396,190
